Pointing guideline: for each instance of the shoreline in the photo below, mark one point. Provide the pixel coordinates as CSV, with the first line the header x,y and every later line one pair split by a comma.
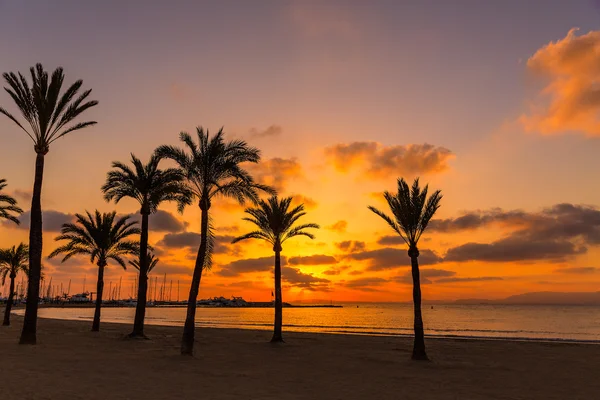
x,y
71,362
524,339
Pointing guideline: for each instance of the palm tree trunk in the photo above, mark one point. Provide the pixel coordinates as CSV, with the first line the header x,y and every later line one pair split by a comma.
x,y
29,332
140,309
419,344
187,341
9,303
277,337
99,289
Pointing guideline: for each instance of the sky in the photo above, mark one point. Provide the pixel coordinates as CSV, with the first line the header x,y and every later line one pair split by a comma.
x,y
496,104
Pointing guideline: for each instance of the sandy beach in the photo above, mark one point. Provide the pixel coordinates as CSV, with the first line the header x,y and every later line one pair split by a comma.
x,y
70,362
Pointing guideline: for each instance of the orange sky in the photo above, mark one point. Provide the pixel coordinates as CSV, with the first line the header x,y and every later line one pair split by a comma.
x,y
342,101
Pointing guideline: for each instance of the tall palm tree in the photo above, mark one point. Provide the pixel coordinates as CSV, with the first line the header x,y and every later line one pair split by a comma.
x,y
212,169
12,261
8,205
275,222
48,116
102,238
412,211
150,259
149,186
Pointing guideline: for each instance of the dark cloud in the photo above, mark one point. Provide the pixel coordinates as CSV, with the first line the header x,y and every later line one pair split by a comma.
x,y
162,221
191,241
243,266
23,195
514,249
276,172
273,130
471,279
336,270
384,161
390,240
296,278
389,257
368,284
229,229
315,259
553,234
52,221
426,274
351,246
578,270
339,227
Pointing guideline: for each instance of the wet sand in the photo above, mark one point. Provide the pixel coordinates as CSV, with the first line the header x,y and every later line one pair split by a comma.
x,y
70,362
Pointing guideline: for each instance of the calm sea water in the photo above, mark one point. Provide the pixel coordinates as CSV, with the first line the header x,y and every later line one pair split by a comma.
x,y
569,323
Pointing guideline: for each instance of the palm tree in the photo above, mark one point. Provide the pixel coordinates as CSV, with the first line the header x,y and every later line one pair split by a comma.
x,y
8,205
12,261
49,116
275,222
212,169
150,259
412,211
149,186
103,239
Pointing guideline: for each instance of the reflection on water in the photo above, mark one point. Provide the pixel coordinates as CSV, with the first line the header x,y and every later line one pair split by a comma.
x,y
581,323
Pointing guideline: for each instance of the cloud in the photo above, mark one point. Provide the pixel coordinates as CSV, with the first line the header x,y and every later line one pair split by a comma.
x,y
578,270
23,195
367,284
315,259
351,246
514,249
339,227
52,220
476,219
553,234
243,266
390,240
387,258
161,221
469,279
191,241
296,278
336,270
571,100
426,274
389,161
273,130
309,204
276,172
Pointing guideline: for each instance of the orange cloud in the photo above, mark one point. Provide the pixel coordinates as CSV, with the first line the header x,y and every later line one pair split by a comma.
x,y
572,67
379,161
339,227
309,204
276,172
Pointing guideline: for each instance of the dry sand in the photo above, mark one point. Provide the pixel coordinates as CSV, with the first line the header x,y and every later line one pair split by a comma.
x,y
70,362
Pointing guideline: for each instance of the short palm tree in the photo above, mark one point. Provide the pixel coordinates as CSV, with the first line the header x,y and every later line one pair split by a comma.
x,y
49,115
103,237
149,186
150,259
8,205
412,211
275,222
12,261
212,169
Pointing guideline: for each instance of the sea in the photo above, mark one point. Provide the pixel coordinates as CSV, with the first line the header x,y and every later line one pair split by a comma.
x,y
501,322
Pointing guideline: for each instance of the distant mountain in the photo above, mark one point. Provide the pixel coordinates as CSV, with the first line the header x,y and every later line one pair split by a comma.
x,y
562,298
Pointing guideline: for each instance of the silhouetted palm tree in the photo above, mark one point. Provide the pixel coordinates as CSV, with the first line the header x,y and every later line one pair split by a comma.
x,y
275,222
103,239
49,116
212,169
12,261
412,211
150,259
8,205
149,186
